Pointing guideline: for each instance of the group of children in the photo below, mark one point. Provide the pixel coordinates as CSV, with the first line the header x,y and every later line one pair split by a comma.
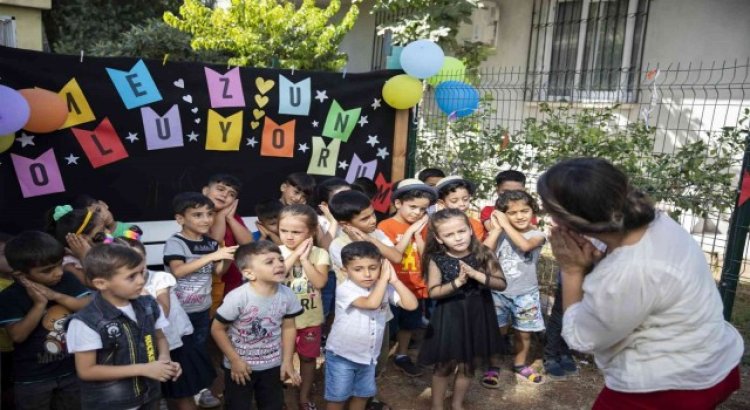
x,y
324,274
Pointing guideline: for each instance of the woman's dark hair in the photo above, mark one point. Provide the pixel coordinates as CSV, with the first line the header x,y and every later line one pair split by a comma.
x,y
485,257
590,195
504,200
324,190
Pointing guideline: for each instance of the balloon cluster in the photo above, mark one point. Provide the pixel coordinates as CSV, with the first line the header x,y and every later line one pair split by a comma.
x,y
425,60
32,109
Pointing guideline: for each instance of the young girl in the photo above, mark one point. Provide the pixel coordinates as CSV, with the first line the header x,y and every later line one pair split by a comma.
x,y
198,372
518,245
117,229
462,332
77,230
307,273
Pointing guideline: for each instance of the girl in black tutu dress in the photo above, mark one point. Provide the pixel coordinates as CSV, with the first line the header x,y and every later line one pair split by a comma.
x,y
462,334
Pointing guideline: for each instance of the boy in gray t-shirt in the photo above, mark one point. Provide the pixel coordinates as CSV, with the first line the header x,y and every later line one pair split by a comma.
x,y
254,328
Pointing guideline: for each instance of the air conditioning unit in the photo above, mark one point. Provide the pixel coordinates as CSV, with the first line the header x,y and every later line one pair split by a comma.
x,y
486,24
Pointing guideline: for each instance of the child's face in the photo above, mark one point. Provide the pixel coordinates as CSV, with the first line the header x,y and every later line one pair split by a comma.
x,y
48,275
455,234
126,284
411,210
459,199
272,224
266,267
99,232
293,230
102,210
365,220
519,215
364,272
196,220
432,181
222,195
509,186
4,267
291,195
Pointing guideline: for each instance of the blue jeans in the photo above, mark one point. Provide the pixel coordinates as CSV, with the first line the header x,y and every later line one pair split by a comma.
x,y
328,294
345,379
61,393
201,322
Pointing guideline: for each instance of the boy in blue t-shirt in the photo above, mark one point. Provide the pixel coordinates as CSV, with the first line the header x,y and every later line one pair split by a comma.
x,y
33,310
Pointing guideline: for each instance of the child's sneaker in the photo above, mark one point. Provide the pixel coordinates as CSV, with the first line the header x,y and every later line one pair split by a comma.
x,y
568,364
405,364
207,400
553,369
308,406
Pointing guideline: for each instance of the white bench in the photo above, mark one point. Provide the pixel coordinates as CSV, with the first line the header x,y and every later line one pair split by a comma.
x,y
155,233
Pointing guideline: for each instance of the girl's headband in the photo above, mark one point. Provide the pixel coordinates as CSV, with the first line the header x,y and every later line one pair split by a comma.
x,y
85,222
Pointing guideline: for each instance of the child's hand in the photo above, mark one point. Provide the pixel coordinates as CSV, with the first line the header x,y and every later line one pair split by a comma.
x,y
231,209
470,272
36,295
159,370
226,252
287,372
306,248
264,233
326,212
495,222
462,278
48,293
240,371
78,245
354,233
178,370
501,218
416,227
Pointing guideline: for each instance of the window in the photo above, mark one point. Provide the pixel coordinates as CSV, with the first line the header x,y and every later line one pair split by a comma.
x,y
586,50
7,31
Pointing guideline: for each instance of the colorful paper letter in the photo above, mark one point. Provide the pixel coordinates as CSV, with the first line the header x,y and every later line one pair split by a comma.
x,y
223,133
339,122
361,169
40,176
225,90
277,140
136,87
324,158
382,200
102,145
294,98
79,111
162,132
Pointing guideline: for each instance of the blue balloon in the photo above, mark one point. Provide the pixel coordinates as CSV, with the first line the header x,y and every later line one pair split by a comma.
x,y
456,98
14,110
422,58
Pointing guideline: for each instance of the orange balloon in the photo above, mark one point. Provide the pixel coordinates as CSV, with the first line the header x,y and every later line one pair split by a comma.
x,y
48,110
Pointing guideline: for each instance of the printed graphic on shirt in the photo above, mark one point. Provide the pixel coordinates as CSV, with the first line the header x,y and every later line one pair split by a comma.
x,y
190,290
302,287
54,345
410,259
253,339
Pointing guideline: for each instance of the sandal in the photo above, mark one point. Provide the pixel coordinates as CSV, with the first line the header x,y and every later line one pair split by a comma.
x,y
527,374
491,378
375,404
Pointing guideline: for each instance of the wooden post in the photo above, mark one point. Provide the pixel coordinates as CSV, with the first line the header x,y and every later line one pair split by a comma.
x,y
400,138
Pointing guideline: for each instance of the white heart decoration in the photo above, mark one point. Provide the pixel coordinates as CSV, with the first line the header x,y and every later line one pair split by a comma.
x,y
179,83
188,98
197,120
195,110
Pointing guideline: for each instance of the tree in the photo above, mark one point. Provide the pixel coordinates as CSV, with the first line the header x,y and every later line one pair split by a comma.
x,y
75,25
268,33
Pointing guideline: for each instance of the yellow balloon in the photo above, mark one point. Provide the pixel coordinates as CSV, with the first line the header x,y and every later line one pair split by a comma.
x,y
402,91
6,141
453,70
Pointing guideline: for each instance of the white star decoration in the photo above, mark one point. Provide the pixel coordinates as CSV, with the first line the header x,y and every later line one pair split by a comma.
x,y
375,103
321,95
251,142
25,139
373,140
72,159
303,148
363,121
132,137
343,165
315,124
382,153
192,137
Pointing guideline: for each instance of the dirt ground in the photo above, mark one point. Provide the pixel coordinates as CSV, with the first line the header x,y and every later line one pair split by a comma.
x,y
404,393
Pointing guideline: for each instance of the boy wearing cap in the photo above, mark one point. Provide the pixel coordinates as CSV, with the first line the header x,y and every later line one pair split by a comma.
x,y
411,198
455,192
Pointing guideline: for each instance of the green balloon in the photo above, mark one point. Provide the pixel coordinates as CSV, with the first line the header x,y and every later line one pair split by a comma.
x,y
452,70
6,141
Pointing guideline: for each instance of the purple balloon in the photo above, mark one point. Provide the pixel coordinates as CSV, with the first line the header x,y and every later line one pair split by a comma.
x,y
14,110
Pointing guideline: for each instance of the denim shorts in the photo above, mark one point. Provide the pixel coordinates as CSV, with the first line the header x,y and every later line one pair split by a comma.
x,y
523,312
328,294
345,379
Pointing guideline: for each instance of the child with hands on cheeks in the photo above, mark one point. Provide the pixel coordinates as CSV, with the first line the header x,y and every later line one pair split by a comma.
x,y
361,314
462,333
307,273
254,328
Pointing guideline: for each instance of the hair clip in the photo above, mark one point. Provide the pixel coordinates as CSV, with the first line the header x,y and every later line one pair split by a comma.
x,y
108,238
60,211
132,234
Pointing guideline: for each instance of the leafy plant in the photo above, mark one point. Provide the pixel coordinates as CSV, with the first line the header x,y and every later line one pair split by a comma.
x,y
268,33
